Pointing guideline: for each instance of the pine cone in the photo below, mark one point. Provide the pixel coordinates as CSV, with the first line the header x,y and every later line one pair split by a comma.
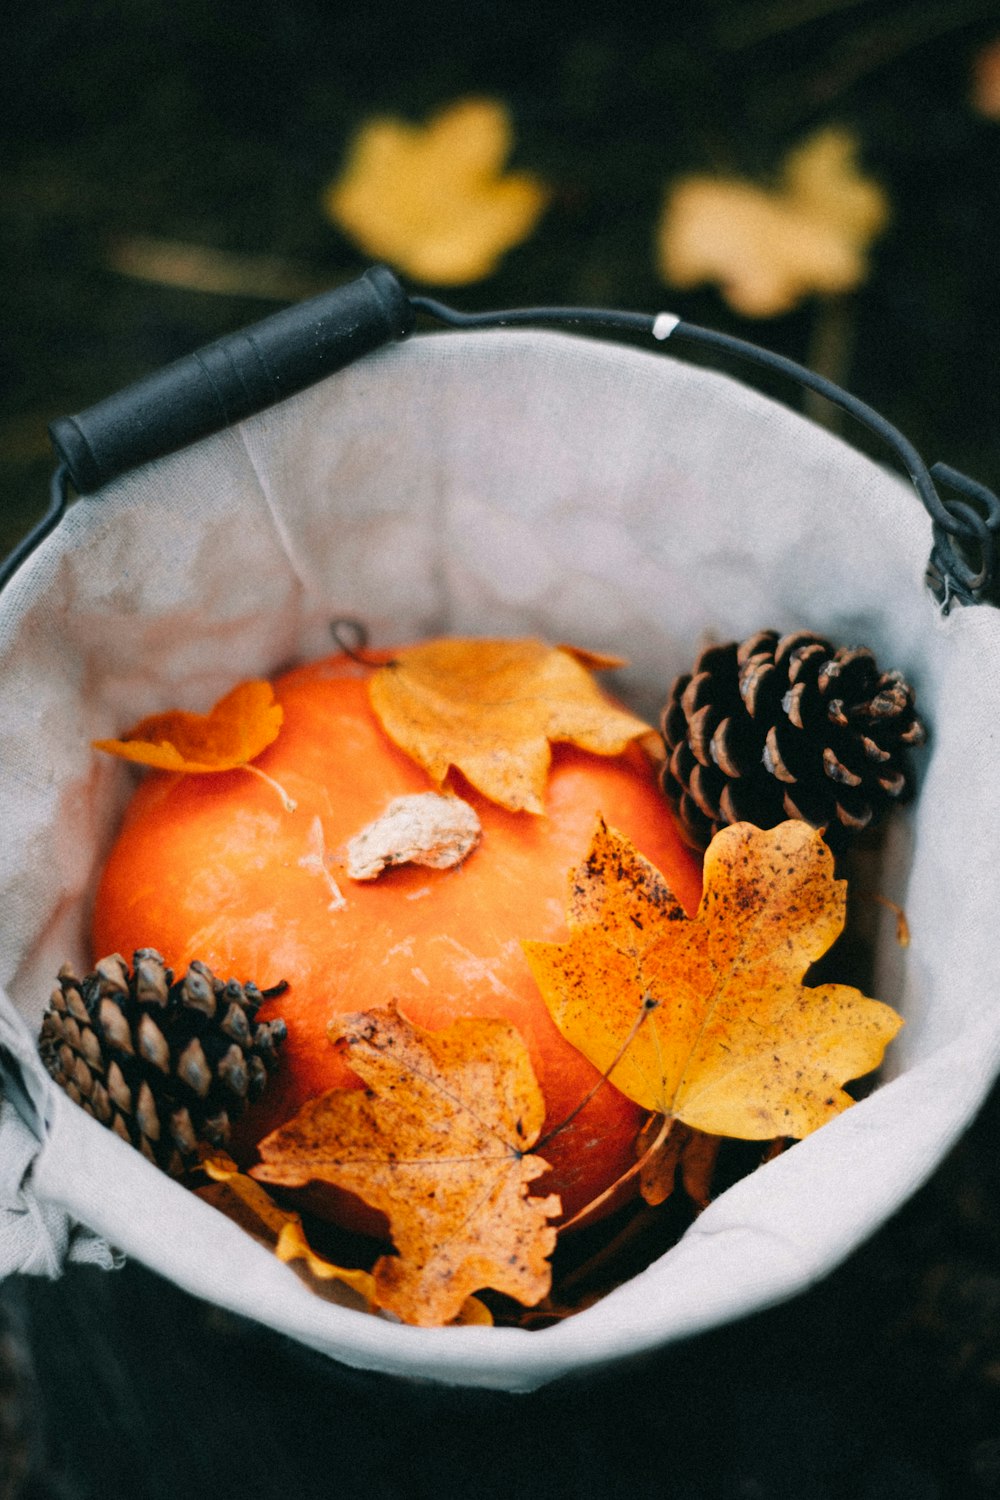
x,y
164,1065
787,728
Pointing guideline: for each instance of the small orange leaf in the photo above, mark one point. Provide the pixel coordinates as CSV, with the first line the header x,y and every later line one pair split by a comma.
x,y
491,708
438,1142
230,735
434,200
706,1019
247,1201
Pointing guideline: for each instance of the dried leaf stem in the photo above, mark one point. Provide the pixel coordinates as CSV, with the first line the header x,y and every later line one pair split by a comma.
x,y
646,1009
591,1208
288,803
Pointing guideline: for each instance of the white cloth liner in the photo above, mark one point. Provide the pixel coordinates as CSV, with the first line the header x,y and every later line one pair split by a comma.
x,y
506,483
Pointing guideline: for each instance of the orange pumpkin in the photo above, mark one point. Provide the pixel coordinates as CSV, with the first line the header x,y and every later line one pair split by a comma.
x,y
213,867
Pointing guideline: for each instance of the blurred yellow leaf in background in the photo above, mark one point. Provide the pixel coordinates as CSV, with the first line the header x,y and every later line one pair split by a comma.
x,y
986,81
433,200
769,248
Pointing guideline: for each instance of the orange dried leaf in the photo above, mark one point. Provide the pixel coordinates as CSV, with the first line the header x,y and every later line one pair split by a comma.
x,y
706,1019
698,1157
492,708
438,1142
691,1151
434,200
249,1205
244,1201
255,1209
292,1245
230,735
473,1314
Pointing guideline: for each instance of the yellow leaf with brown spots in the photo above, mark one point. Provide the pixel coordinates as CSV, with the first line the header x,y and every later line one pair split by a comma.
x,y
707,1019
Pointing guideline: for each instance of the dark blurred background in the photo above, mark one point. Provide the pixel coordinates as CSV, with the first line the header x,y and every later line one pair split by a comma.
x,y
164,164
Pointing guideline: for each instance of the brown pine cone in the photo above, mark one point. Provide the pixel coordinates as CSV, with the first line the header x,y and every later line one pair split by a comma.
x,y
787,727
164,1065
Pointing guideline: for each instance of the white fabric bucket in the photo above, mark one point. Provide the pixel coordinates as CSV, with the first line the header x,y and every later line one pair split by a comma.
x,y
506,483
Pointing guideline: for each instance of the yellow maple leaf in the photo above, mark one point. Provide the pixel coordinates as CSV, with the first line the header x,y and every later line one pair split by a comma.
x,y
434,200
438,1141
491,709
768,249
706,1019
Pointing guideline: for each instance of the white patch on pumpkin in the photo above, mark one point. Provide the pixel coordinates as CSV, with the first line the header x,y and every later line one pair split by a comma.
x,y
426,828
315,861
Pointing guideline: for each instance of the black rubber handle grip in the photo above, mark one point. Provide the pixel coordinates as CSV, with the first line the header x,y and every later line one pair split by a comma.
x,y
238,375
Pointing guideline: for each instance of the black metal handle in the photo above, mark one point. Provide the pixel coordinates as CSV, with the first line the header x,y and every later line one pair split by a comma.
x,y
965,559
238,375
58,500
258,366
